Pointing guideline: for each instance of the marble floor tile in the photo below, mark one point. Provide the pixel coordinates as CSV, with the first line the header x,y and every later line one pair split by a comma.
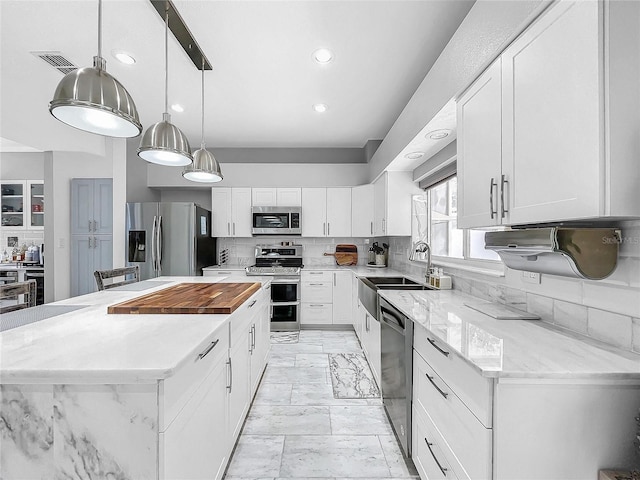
x,y
256,456
359,420
333,456
320,394
284,348
297,375
338,346
284,337
273,394
287,420
278,359
351,376
312,360
311,336
395,460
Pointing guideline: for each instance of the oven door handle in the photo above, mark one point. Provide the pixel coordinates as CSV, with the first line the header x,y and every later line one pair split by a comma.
x,y
285,280
284,304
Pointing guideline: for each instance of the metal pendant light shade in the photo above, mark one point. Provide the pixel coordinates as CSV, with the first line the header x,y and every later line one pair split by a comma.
x,y
92,100
205,167
163,143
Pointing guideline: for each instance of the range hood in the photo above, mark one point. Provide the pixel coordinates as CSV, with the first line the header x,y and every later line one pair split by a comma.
x,y
590,253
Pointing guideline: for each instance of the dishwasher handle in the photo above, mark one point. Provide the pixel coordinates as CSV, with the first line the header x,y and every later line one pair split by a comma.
x,y
393,319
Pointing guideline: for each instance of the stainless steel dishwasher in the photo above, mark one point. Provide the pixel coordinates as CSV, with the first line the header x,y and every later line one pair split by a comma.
x,y
396,339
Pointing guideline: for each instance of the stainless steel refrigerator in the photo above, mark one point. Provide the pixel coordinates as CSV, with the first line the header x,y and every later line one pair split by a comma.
x,y
169,238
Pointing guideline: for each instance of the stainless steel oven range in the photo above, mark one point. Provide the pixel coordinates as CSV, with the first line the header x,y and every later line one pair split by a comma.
x,y
284,263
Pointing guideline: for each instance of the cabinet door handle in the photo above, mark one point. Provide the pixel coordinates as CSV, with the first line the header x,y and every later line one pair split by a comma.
x,y
228,228
315,273
95,242
383,225
90,242
95,226
442,469
328,228
206,351
371,227
316,284
315,305
234,228
253,337
432,342
230,370
442,392
491,185
251,341
324,229
252,303
334,279
503,182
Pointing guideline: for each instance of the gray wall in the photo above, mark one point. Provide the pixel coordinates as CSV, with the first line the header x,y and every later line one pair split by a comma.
x,y
201,196
137,190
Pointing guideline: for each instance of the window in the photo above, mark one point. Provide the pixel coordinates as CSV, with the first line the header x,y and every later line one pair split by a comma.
x,y
434,220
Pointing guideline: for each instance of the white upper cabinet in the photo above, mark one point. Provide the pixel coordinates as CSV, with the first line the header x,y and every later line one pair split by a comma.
x,y
568,112
326,212
480,150
231,211
362,211
271,197
392,193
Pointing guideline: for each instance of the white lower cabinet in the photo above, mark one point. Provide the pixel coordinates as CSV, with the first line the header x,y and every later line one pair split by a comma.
x,y
204,405
370,341
467,426
326,297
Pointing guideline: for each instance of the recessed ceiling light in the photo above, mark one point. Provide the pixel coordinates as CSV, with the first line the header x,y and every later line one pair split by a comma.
x,y
123,57
323,55
320,107
176,107
438,134
414,155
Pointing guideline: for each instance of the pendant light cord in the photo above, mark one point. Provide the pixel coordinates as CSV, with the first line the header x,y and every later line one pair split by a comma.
x,y
100,28
203,102
166,59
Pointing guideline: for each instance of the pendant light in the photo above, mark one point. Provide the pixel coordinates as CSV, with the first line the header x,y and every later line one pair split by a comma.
x,y
205,167
92,100
163,143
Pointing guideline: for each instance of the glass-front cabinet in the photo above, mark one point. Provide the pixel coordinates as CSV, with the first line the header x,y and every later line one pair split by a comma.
x,y
36,204
22,203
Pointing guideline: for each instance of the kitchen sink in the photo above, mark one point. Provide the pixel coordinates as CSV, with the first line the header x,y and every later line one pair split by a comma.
x,y
412,286
390,281
368,289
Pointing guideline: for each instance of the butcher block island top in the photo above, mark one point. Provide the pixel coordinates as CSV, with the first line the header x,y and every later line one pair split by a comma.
x,y
190,298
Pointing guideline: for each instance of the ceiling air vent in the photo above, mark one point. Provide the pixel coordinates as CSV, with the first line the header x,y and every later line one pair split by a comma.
x,y
57,61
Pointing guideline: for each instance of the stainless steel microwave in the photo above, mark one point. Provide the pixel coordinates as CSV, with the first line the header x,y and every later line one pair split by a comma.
x,y
276,221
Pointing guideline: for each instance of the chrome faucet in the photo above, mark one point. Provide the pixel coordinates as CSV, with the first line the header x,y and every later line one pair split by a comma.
x,y
421,247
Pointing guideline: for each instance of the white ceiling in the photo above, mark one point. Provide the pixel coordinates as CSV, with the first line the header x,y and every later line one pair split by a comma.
x,y
264,81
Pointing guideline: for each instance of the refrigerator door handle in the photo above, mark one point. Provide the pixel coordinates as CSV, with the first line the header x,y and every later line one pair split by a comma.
x,y
154,263
159,234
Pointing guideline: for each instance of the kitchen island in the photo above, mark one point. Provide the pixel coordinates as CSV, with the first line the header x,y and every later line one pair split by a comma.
x,y
87,394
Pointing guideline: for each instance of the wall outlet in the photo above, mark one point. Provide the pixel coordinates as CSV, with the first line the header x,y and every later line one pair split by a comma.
x,y
531,277
366,241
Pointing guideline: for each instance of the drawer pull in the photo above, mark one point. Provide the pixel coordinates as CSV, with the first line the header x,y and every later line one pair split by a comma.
x,y
432,342
252,304
442,469
208,349
444,394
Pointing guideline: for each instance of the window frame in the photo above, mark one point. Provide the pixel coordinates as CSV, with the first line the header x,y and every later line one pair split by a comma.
x,y
477,265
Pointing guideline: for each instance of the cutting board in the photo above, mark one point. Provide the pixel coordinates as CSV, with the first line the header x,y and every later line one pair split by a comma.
x,y
345,254
190,298
501,312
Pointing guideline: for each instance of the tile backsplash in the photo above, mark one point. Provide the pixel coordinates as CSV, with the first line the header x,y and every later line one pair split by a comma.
x,y
24,236
241,250
607,310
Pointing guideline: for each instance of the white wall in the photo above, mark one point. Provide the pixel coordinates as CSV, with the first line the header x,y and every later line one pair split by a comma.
x,y
21,166
486,30
60,168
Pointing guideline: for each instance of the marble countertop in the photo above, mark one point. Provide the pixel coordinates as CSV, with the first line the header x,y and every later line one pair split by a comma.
x,y
90,346
511,348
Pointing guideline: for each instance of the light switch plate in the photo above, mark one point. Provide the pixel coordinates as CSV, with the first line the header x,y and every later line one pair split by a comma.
x,y
531,277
